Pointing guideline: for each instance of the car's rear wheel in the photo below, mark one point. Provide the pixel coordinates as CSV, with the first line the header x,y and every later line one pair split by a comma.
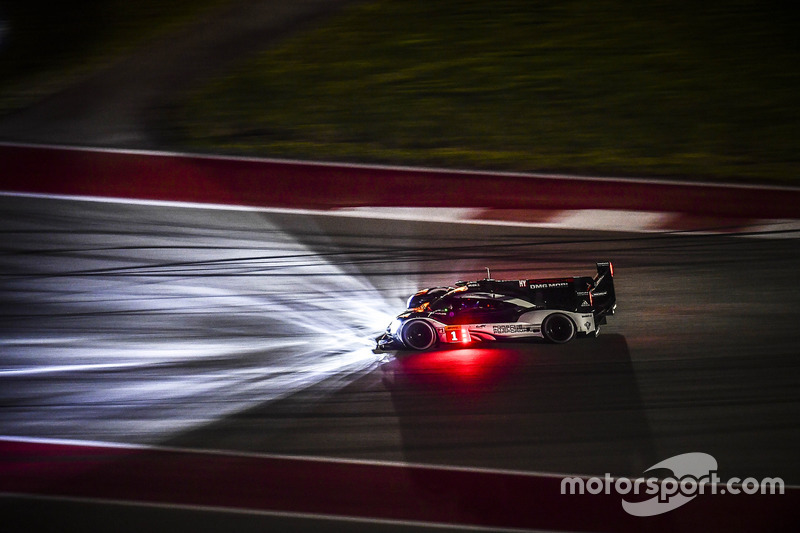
x,y
558,328
419,335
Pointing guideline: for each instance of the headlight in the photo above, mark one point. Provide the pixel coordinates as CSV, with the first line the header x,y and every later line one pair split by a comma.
x,y
394,326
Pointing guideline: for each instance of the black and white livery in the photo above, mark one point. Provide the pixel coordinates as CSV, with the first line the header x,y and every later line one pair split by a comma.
x,y
554,309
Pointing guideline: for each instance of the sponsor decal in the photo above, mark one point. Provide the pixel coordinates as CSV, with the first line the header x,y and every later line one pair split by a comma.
x,y
500,330
522,282
599,293
549,285
585,304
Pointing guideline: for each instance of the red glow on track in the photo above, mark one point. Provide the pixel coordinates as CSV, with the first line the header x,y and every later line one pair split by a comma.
x,y
460,369
467,364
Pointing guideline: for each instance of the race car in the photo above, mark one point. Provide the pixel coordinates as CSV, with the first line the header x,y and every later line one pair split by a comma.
x,y
556,310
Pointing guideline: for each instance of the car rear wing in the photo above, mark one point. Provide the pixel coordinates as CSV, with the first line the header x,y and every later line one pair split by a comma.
x,y
604,299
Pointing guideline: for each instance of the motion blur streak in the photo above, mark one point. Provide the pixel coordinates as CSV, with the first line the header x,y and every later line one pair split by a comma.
x,y
126,328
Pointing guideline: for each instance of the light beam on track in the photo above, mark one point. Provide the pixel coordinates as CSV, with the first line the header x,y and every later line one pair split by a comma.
x,y
122,328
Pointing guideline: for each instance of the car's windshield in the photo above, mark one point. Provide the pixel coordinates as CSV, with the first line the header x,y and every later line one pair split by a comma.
x,y
445,303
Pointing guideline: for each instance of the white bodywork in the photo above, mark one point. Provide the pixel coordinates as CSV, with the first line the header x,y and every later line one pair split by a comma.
x,y
528,325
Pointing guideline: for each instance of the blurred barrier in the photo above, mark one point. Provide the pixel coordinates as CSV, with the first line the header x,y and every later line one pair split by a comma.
x,y
306,185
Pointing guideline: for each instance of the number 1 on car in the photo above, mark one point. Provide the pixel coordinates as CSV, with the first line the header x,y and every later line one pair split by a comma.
x,y
457,334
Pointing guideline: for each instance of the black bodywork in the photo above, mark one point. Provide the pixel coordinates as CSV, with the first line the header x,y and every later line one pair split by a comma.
x,y
490,301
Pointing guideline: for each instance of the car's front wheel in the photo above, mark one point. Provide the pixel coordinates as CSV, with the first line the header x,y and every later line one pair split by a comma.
x,y
558,328
418,334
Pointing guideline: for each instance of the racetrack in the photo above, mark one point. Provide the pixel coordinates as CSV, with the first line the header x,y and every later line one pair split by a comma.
x,y
251,330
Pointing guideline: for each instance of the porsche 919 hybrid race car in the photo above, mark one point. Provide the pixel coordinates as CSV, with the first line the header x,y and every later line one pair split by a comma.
x,y
489,309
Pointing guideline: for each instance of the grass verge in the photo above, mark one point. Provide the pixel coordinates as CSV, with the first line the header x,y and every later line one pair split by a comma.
x,y
46,46
681,89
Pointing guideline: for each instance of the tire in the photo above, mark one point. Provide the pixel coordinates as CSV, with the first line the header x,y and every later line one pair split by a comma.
x,y
419,335
558,328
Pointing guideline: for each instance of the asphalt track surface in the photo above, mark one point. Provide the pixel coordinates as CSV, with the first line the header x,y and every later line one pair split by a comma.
x,y
252,331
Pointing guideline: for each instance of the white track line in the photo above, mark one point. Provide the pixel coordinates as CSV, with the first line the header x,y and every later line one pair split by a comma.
x,y
269,456
576,219
344,519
